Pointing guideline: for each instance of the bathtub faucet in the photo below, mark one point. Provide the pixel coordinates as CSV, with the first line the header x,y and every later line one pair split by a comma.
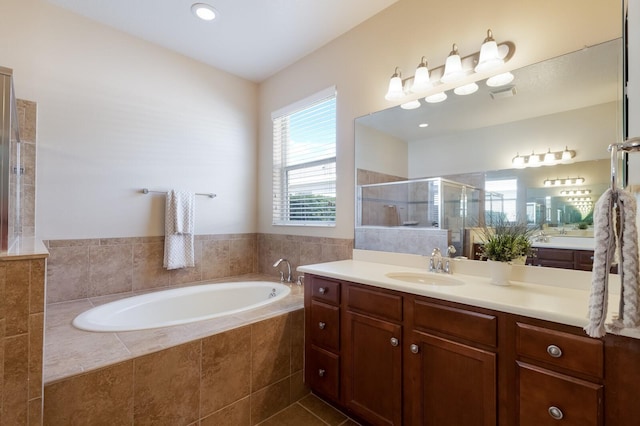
x,y
278,262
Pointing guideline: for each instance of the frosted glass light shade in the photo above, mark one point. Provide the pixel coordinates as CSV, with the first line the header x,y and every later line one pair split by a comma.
x,y
395,91
452,67
550,157
411,104
489,58
500,79
518,161
467,89
435,98
421,81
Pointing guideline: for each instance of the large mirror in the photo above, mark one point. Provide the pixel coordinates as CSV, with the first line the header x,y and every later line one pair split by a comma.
x,y
461,151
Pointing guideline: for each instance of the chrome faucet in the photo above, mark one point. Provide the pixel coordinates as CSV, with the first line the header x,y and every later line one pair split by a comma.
x,y
278,262
435,261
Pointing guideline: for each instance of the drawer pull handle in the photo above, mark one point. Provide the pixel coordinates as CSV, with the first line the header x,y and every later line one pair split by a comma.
x,y
322,371
554,351
322,290
414,348
322,325
556,413
394,341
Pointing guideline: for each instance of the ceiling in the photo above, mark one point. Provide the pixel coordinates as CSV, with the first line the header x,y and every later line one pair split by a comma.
x,y
253,39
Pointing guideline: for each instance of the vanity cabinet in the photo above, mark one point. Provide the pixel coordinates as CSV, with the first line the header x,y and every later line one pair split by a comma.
x,y
581,260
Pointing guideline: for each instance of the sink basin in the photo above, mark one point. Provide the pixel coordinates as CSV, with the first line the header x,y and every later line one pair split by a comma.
x,y
424,278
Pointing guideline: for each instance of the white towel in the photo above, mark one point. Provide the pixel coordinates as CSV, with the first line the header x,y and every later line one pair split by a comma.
x,y
614,222
178,230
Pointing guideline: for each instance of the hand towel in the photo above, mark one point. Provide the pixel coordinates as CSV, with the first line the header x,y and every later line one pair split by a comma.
x,y
614,225
178,230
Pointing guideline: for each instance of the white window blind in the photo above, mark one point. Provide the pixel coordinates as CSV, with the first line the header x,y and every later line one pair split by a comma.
x,y
304,162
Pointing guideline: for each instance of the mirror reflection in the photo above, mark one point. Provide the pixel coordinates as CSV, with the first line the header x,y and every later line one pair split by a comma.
x,y
426,177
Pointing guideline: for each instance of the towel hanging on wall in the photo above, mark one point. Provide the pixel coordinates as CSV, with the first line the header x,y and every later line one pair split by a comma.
x,y
179,230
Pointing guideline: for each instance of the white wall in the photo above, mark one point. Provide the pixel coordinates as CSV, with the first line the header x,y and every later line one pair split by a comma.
x,y
380,152
360,63
116,114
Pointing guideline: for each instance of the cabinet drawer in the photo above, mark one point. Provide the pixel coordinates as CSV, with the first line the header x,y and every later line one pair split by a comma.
x,y
555,254
575,353
375,302
325,290
473,326
325,325
322,371
549,398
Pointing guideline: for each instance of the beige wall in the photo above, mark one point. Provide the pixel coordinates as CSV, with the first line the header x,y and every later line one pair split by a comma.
x,y
360,63
117,114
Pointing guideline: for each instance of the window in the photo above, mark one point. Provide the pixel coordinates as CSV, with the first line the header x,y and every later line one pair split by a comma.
x,y
304,162
505,208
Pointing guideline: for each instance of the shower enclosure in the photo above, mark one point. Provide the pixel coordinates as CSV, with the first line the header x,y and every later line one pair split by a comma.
x,y
415,216
10,168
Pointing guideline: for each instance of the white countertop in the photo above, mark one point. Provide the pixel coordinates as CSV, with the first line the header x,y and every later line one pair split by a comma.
x,y
550,294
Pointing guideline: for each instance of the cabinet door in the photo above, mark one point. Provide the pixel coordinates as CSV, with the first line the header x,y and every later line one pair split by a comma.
x,y
373,369
449,383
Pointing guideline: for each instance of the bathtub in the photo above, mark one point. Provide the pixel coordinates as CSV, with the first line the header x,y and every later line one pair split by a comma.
x,y
180,306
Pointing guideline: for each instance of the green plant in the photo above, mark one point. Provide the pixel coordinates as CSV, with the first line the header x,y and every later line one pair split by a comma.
x,y
583,225
506,241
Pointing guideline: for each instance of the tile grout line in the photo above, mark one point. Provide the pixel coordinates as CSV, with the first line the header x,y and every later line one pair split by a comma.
x,y
312,413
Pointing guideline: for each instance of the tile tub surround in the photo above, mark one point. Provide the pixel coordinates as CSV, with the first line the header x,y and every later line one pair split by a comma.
x,y
243,375
22,286
80,269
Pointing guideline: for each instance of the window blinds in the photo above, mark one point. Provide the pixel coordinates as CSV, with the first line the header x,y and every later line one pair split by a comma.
x,y
304,162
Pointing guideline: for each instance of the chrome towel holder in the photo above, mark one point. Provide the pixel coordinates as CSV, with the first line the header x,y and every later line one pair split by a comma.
x,y
147,191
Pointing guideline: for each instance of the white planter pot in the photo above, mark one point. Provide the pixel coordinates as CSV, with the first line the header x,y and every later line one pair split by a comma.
x,y
499,272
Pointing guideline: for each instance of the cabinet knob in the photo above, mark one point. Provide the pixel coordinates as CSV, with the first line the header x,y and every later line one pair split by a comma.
x,y
414,348
322,325
322,290
554,351
394,341
555,412
322,371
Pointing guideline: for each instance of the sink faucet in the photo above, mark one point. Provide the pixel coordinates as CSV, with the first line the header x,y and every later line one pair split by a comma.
x,y
435,262
278,262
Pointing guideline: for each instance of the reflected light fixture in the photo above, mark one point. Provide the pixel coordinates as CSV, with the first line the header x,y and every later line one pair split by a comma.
x,y
395,91
411,104
204,11
549,157
421,81
437,97
518,161
490,58
564,182
467,89
534,160
576,192
500,79
567,155
452,67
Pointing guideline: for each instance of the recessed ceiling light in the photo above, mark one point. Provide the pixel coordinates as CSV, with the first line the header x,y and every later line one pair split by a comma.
x,y
204,11
423,125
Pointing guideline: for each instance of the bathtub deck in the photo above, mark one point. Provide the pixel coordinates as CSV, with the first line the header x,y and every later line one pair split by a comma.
x,y
69,351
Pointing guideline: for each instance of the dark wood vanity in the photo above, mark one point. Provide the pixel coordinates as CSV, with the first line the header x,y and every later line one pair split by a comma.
x,y
394,358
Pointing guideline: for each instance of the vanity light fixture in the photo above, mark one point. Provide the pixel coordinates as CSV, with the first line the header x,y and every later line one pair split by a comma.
x,y
421,81
548,159
395,92
453,67
204,11
576,192
564,182
490,57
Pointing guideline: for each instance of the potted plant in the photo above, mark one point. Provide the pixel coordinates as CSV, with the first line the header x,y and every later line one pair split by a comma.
x,y
505,244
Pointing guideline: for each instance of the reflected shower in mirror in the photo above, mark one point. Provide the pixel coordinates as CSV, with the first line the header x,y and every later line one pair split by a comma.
x,y
572,103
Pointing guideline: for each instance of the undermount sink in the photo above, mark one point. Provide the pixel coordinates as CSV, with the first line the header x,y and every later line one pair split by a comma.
x,y
424,278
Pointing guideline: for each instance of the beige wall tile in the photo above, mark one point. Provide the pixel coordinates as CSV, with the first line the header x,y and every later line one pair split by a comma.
x,y
36,338
27,119
167,390
68,273
110,269
226,369
268,401
237,414
3,281
215,259
271,351
35,412
299,388
242,254
37,289
147,266
17,297
101,397
297,340
2,358
16,374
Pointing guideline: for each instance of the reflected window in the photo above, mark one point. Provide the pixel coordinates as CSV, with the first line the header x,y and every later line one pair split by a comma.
x,y
503,207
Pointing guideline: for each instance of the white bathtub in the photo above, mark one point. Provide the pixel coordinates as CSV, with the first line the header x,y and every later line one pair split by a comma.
x,y
180,306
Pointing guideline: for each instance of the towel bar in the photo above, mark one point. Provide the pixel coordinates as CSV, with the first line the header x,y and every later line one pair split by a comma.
x,y
146,191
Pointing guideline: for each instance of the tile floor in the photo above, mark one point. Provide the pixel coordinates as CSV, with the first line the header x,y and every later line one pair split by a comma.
x,y
309,411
